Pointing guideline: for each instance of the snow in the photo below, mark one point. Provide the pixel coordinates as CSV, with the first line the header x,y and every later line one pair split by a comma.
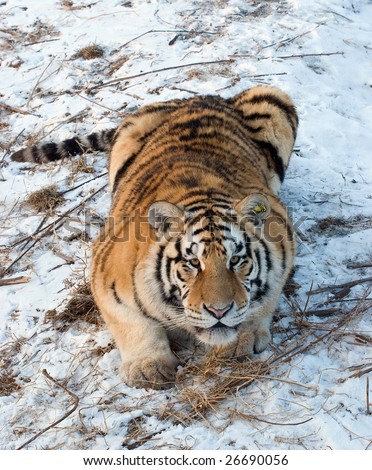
x,y
320,53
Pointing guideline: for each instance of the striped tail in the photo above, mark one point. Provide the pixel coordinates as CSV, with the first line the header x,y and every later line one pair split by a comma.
x,y
49,152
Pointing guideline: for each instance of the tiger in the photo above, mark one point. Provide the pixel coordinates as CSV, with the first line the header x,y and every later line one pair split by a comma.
x,y
197,243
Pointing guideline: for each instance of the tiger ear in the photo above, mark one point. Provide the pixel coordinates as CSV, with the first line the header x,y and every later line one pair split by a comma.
x,y
166,217
254,207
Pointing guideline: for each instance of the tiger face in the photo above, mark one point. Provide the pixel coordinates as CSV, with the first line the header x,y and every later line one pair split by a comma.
x,y
213,278
209,265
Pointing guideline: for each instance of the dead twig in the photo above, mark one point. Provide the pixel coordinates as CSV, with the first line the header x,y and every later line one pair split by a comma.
x,y
365,264
15,280
300,56
155,31
293,56
358,374
142,74
66,415
141,441
261,420
38,81
346,285
85,182
288,40
326,312
41,42
12,109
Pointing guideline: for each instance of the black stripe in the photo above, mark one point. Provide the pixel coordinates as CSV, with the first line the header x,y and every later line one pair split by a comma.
x,y
210,121
257,282
177,247
159,261
189,249
150,109
35,154
248,242
212,227
123,169
276,159
137,300
126,165
125,125
168,268
93,140
179,276
257,252
269,264
261,292
117,298
284,256
210,135
72,147
185,294
50,151
289,110
239,247
250,269
171,298
108,136
255,116
203,204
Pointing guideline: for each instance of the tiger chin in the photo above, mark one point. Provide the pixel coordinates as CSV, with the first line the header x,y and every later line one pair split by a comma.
x,y
197,242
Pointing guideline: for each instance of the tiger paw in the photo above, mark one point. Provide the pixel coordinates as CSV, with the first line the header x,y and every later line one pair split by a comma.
x,y
262,338
248,344
155,372
240,350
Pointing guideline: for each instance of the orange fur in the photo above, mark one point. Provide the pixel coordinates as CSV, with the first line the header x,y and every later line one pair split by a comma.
x,y
184,153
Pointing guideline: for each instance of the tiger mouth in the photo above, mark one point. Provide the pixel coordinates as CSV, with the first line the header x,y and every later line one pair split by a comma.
x,y
217,326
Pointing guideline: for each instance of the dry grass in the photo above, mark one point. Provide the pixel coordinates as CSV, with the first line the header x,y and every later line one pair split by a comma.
x,y
79,165
195,74
45,200
337,226
93,51
214,381
8,385
68,4
81,306
8,351
117,64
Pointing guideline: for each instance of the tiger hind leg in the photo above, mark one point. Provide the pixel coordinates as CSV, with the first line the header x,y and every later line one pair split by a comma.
x,y
272,122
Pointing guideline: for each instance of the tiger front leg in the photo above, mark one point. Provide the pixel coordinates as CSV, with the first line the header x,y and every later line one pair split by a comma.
x,y
147,360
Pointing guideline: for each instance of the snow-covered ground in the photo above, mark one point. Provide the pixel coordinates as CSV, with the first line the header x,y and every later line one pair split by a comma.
x,y
315,397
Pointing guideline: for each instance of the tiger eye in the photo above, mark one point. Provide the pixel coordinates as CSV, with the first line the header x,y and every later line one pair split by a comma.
x,y
194,262
234,260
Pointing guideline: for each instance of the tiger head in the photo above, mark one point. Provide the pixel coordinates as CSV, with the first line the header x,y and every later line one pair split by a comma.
x,y
208,263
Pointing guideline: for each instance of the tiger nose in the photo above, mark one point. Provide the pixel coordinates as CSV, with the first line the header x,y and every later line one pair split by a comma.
x,y
218,312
